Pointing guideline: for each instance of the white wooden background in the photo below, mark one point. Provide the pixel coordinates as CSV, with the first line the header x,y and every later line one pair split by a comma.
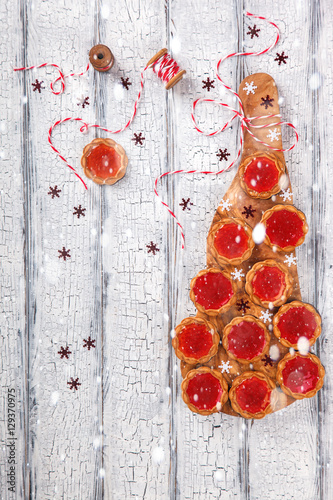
x,y
125,433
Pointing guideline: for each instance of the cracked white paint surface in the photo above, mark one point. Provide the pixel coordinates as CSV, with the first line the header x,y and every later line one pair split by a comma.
x,y
126,432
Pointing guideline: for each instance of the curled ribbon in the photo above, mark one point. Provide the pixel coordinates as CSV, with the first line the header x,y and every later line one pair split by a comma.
x,y
245,123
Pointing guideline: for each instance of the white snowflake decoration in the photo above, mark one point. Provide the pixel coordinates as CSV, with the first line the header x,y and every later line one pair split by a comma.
x,y
273,134
225,204
286,195
266,316
249,88
237,274
225,367
290,260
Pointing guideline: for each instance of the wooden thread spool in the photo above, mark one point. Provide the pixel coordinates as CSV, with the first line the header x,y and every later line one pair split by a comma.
x,y
175,78
101,58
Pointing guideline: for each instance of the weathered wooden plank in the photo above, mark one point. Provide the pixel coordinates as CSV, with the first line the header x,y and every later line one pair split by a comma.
x,y
135,323
63,305
210,450
283,448
14,359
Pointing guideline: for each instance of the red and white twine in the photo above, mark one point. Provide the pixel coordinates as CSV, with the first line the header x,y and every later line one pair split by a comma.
x,y
245,123
164,67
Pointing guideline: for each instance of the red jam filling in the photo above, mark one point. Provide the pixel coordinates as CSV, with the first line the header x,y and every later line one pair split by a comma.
x,y
231,241
204,391
103,161
195,341
212,290
269,283
297,322
300,375
253,395
246,340
261,174
284,228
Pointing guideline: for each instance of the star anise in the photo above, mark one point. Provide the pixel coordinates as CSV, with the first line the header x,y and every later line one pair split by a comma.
x,y
253,31
64,352
185,204
281,58
89,343
249,211
267,101
208,84
242,305
138,138
54,191
64,253
37,86
223,154
152,248
73,384
125,82
78,211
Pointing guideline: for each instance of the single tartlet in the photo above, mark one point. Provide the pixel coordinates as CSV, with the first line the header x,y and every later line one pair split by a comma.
x,y
296,321
251,394
196,340
269,284
212,291
205,391
300,376
260,175
104,161
285,227
230,241
246,339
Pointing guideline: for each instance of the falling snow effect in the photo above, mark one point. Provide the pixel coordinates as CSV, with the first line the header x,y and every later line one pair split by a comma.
x,y
225,204
237,274
259,233
286,195
250,88
290,260
273,134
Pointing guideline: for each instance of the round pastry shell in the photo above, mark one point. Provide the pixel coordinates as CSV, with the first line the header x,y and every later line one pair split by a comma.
x,y
249,319
288,278
283,309
215,338
123,161
220,259
290,208
205,369
286,390
265,194
222,309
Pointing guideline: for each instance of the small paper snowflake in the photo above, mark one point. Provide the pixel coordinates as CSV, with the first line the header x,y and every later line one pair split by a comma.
x,y
286,195
266,316
225,204
249,88
290,260
225,367
237,274
273,134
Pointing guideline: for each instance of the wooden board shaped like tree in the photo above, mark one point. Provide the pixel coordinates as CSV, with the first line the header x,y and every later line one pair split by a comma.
x,y
246,352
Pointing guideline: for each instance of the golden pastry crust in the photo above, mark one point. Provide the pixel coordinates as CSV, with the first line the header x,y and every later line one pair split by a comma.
x,y
290,208
297,395
250,319
233,397
265,194
220,259
123,161
283,310
224,397
288,286
222,309
215,338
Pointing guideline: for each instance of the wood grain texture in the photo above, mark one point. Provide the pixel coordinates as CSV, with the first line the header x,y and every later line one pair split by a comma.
x,y
126,432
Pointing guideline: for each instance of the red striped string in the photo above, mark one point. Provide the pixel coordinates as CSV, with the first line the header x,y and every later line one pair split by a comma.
x,y
245,123
165,68
61,76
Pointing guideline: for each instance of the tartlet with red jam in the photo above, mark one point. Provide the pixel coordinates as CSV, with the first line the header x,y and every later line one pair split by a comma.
x,y
196,340
285,226
260,175
300,376
252,395
296,321
212,291
104,161
269,284
230,241
246,339
205,391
